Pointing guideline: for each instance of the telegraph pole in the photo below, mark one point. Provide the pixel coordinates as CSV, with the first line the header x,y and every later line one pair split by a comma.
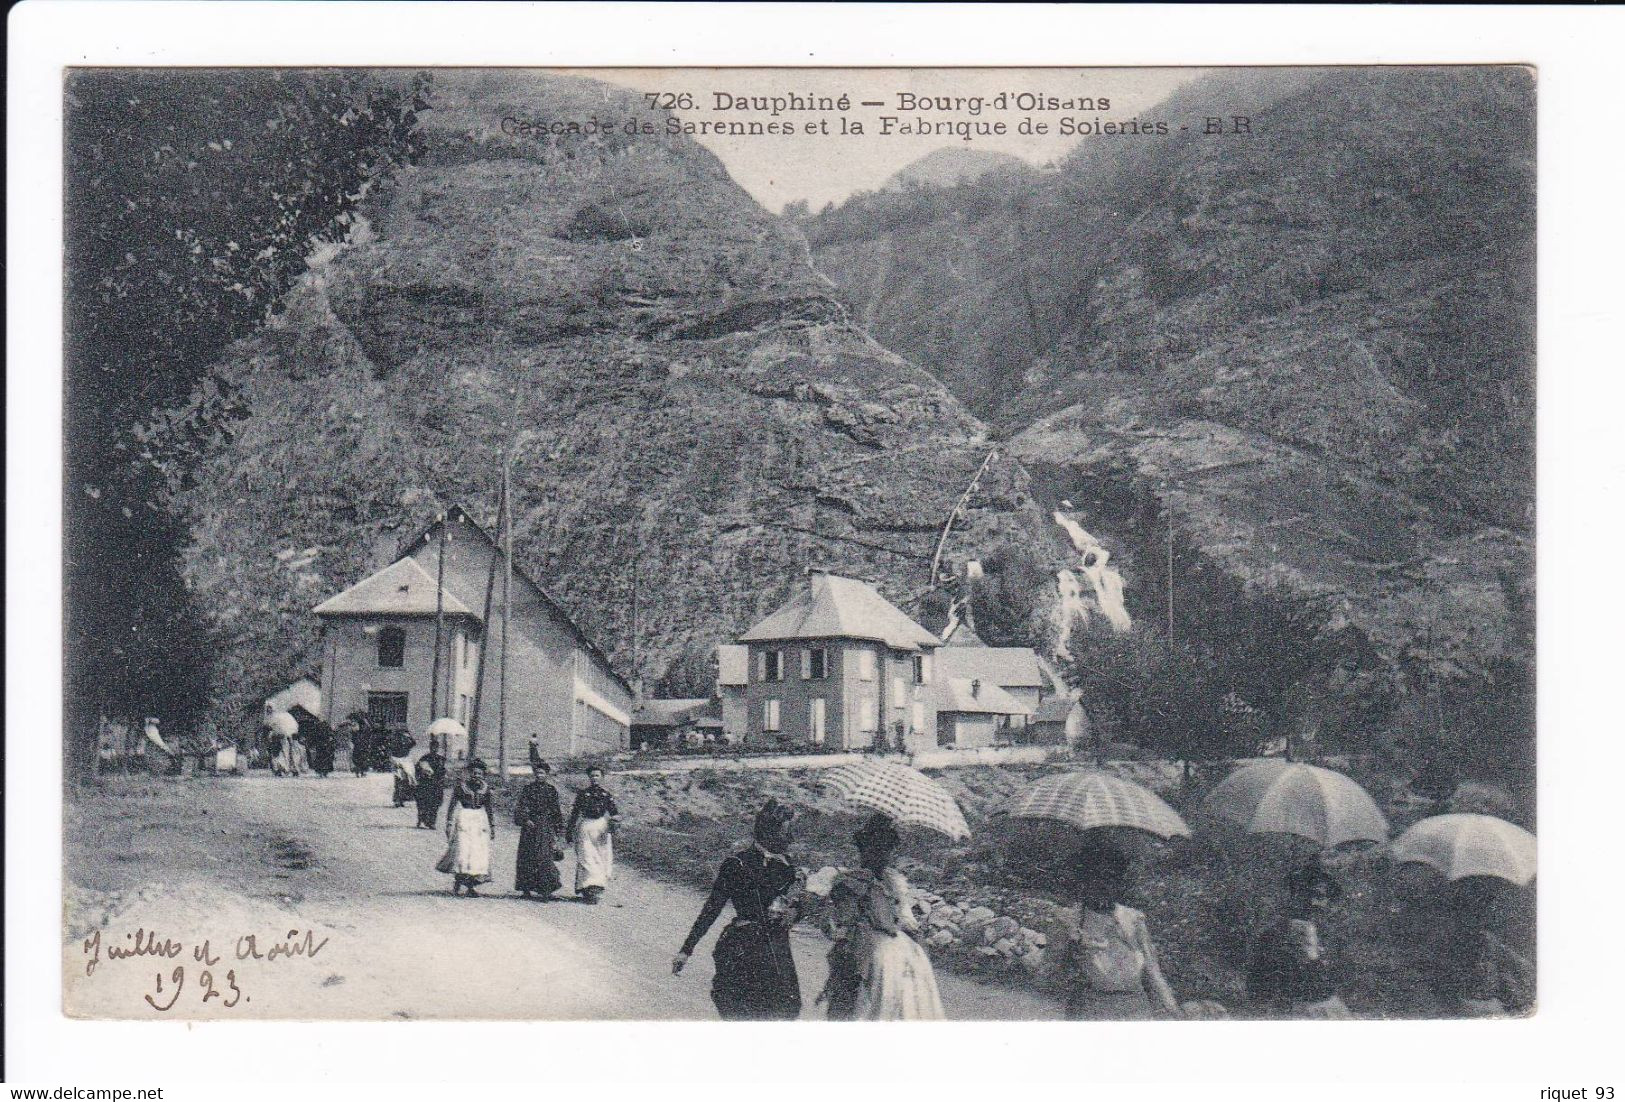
x,y
507,612
1170,571
439,621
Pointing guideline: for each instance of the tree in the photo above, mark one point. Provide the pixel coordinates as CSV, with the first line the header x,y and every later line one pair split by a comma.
x,y
193,199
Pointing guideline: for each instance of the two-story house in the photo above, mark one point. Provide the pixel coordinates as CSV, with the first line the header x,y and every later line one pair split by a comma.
x,y
839,666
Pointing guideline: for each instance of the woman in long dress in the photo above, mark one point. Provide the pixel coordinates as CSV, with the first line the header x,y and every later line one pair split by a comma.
x,y
592,829
470,828
755,972
1100,953
429,785
1290,968
877,971
540,822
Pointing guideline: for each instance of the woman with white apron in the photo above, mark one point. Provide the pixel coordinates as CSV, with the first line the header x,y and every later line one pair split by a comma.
x,y
592,829
470,828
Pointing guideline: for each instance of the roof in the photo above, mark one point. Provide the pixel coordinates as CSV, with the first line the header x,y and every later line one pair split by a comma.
x,y
592,648
665,713
954,695
403,588
1011,667
1054,710
833,607
733,664
961,634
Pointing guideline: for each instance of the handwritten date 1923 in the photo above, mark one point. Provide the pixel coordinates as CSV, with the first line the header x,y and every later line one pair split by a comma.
x,y
205,981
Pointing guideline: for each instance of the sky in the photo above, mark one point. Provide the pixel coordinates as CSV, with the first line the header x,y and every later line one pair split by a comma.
x,y
779,169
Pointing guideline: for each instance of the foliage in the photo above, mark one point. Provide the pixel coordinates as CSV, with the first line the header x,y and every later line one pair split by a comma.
x,y
193,200
1247,666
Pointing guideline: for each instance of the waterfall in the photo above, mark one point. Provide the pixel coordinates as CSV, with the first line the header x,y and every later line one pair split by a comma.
x,y
1104,581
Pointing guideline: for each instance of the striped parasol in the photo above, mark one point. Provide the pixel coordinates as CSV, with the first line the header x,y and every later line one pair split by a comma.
x,y
1463,845
1282,797
1092,801
902,792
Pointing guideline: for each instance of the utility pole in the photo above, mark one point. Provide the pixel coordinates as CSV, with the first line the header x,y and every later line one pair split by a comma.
x,y
1170,571
507,611
634,646
485,645
439,621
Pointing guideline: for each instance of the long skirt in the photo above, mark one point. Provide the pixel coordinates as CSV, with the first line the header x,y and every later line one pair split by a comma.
x,y
428,800
535,869
756,974
595,854
897,982
405,783
321,758
290,760
470,850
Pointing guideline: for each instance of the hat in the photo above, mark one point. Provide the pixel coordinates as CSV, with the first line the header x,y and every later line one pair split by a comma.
x,y
542,767
476,763
773,816
879,829
1306,877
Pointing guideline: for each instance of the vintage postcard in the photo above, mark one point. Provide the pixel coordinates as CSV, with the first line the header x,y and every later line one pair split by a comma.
x,y
771,544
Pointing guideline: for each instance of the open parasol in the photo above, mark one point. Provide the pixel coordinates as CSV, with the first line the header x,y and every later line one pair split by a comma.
x,y
445,725
1092,801
1462,845
1308,801
901,792
282,723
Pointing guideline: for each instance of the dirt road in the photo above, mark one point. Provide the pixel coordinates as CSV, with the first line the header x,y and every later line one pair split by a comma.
x,y
327,865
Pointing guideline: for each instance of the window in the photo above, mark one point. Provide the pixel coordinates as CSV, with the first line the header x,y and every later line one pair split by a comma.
x,y
814,664
772,665
391,648
770,715
922,669
866,665
945,734
815,720
387,711
868,719
462,709
465,647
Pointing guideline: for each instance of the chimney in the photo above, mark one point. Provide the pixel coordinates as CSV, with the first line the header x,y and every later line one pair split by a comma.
x,y
976,688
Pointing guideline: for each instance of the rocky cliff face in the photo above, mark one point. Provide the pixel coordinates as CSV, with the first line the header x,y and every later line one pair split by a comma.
x,y
687,407
1313,343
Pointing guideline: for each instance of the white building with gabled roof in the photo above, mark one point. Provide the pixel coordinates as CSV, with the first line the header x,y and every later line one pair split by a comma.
x,y
380,649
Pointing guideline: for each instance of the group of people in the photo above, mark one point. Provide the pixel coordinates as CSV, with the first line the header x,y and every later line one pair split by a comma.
x,y
471,826
294,755
1098,957
877,968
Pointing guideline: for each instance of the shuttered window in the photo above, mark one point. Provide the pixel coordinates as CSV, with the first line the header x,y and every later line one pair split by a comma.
x,y
816,719
770,715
